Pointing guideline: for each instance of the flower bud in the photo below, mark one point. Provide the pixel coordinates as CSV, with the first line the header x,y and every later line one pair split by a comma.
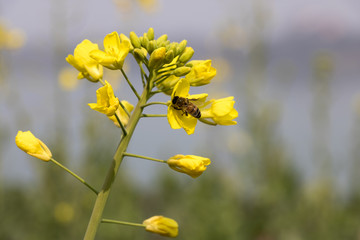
x,y
186,55
161,225
182,71
169,56
144,41
151,46
181,47
33,146
161,39
139,55
191,165
201,72
135,41
157,57
150,34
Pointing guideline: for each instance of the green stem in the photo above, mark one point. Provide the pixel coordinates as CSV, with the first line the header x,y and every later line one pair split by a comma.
x,y
207,122
103,195
74,175
155,103
121,125
124,108
122,223
144,157
154,115
131,86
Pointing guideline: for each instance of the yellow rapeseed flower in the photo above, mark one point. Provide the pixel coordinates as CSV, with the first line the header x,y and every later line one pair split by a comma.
x,y
87,66
192,165
124,118
177,118
33,146
201,72
107,103
115,52
162,225
221,111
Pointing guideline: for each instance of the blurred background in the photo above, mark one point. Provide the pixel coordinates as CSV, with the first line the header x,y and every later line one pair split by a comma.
x,y
287,170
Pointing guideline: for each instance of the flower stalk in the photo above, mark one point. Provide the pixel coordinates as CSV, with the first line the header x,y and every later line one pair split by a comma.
x,y
103,195
74,175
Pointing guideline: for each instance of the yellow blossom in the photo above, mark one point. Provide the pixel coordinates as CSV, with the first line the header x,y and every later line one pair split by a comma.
x,y
201,72
177,118
192,165
124,118
67,79
107,103
33,146
87,66
162,225
115,52
221,111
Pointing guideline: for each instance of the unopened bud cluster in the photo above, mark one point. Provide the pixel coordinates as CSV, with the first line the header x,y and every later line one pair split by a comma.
x,y
161,51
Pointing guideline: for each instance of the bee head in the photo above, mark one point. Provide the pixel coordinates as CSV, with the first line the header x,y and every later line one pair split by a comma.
x,y
174,100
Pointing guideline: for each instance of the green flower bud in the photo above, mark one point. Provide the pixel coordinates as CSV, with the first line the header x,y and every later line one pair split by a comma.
x,y
139,55
161,39
150,34
186,55
173,46
169,56
181,71
144,42
135,41
151,46
181,47
157,57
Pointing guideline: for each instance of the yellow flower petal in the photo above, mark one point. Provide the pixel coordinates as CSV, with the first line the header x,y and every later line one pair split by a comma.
x,y
191,165
33,146
107,103
162,225
82,61
115,52
124,118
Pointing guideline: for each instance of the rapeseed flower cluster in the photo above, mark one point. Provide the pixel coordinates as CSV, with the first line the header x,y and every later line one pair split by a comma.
x,y
165,67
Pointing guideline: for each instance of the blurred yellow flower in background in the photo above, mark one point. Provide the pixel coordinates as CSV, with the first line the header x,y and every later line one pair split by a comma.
x,y
11,38
162,225
106,103
115,52
124,118
81,60
63,212
33,146
67,79
191,165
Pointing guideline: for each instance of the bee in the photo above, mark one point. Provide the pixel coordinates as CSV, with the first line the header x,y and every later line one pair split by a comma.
x,y
187,107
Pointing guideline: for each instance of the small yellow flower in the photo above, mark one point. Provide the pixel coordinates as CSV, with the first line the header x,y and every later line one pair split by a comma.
x,y
82,61
67,79
107,103
221,111
192,165
177,119
124,118
115,52
162,225
201,72
33,146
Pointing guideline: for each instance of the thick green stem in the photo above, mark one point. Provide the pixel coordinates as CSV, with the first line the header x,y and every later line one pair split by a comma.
x,y
103,195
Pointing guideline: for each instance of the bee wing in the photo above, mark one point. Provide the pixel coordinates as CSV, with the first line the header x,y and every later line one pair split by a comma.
x,y
198,99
